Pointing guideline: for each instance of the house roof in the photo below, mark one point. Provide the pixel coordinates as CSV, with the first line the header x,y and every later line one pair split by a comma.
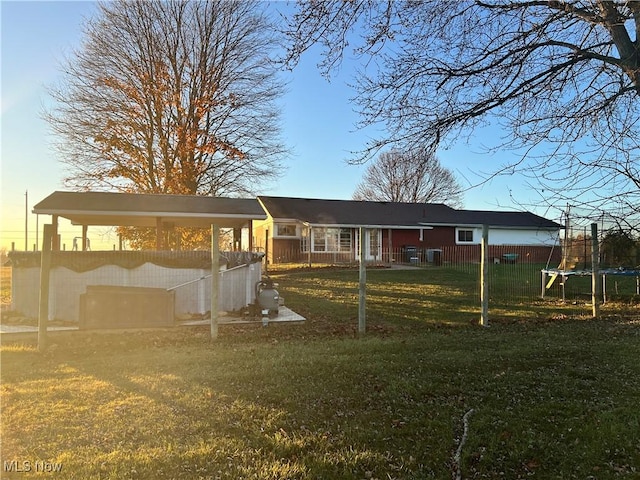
x,y
351,213
504,219
135,209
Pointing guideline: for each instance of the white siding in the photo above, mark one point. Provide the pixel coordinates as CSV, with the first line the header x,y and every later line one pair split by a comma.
x,y
503,236
193,292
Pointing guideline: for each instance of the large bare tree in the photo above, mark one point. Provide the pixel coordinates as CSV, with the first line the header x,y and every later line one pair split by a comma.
x,y
561,77
171,97
416,176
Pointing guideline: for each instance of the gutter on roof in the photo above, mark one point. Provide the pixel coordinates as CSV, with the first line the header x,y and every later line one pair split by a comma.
x,y
498,227
120,213
359,225
285,220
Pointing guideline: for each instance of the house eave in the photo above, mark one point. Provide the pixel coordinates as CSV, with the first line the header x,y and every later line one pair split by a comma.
x,y
149,219
497,227
369,226
286,220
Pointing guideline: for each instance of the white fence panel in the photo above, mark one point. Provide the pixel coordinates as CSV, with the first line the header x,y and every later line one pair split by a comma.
x,y
192,287
237,286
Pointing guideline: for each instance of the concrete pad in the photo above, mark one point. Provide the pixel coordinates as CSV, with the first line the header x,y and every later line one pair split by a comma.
x,y
284,315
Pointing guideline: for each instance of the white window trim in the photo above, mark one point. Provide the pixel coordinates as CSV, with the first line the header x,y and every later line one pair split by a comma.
x,y
277,224
314,231
463,229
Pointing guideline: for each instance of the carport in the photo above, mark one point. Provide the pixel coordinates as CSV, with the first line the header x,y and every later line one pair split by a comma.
x,y
160,211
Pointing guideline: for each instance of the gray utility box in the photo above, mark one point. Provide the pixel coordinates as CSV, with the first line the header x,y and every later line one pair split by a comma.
x,y
434,255
110,306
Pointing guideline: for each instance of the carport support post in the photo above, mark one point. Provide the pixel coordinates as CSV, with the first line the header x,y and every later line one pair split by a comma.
x,y
215,278
85,228
484,277
45,268
362,297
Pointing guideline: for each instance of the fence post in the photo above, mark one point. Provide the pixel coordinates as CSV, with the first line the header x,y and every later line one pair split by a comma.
x,y
484,277
266,250
215,278
362,286
595,267
309,243
45,269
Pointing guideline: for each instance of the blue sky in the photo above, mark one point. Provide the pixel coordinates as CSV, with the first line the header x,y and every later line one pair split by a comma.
x,y
317,117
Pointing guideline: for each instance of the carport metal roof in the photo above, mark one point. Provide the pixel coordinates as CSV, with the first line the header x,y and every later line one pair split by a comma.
x,y
148,210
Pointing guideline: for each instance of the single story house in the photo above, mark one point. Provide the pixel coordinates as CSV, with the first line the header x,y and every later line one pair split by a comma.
x,y
301,229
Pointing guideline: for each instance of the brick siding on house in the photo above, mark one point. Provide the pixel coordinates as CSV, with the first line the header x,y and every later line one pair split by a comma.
x,y
288,251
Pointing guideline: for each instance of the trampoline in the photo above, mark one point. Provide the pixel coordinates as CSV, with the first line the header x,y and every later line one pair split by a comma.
x,y
549,275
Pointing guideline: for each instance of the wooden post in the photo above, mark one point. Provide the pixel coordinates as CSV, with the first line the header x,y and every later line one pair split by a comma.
x,y
55,237
266,250
159,234
215,278
26,220
362,286
484,277
595,267
45,269
237,239
85,229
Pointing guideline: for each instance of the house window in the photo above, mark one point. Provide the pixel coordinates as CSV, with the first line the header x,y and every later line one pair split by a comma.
x,y
319,239
345,240
285,230
374,243
465,235
330,240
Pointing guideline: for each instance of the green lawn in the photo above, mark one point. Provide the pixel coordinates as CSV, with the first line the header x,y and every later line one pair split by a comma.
x,y
554,394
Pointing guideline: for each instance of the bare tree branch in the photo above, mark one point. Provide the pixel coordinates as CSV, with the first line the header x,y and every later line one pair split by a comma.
x,y
561,77
415,177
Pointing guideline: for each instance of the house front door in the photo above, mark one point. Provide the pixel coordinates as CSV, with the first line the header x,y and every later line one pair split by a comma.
x,y
372,244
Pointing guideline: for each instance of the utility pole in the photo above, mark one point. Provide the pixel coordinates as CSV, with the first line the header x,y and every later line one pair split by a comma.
x,y
26,220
